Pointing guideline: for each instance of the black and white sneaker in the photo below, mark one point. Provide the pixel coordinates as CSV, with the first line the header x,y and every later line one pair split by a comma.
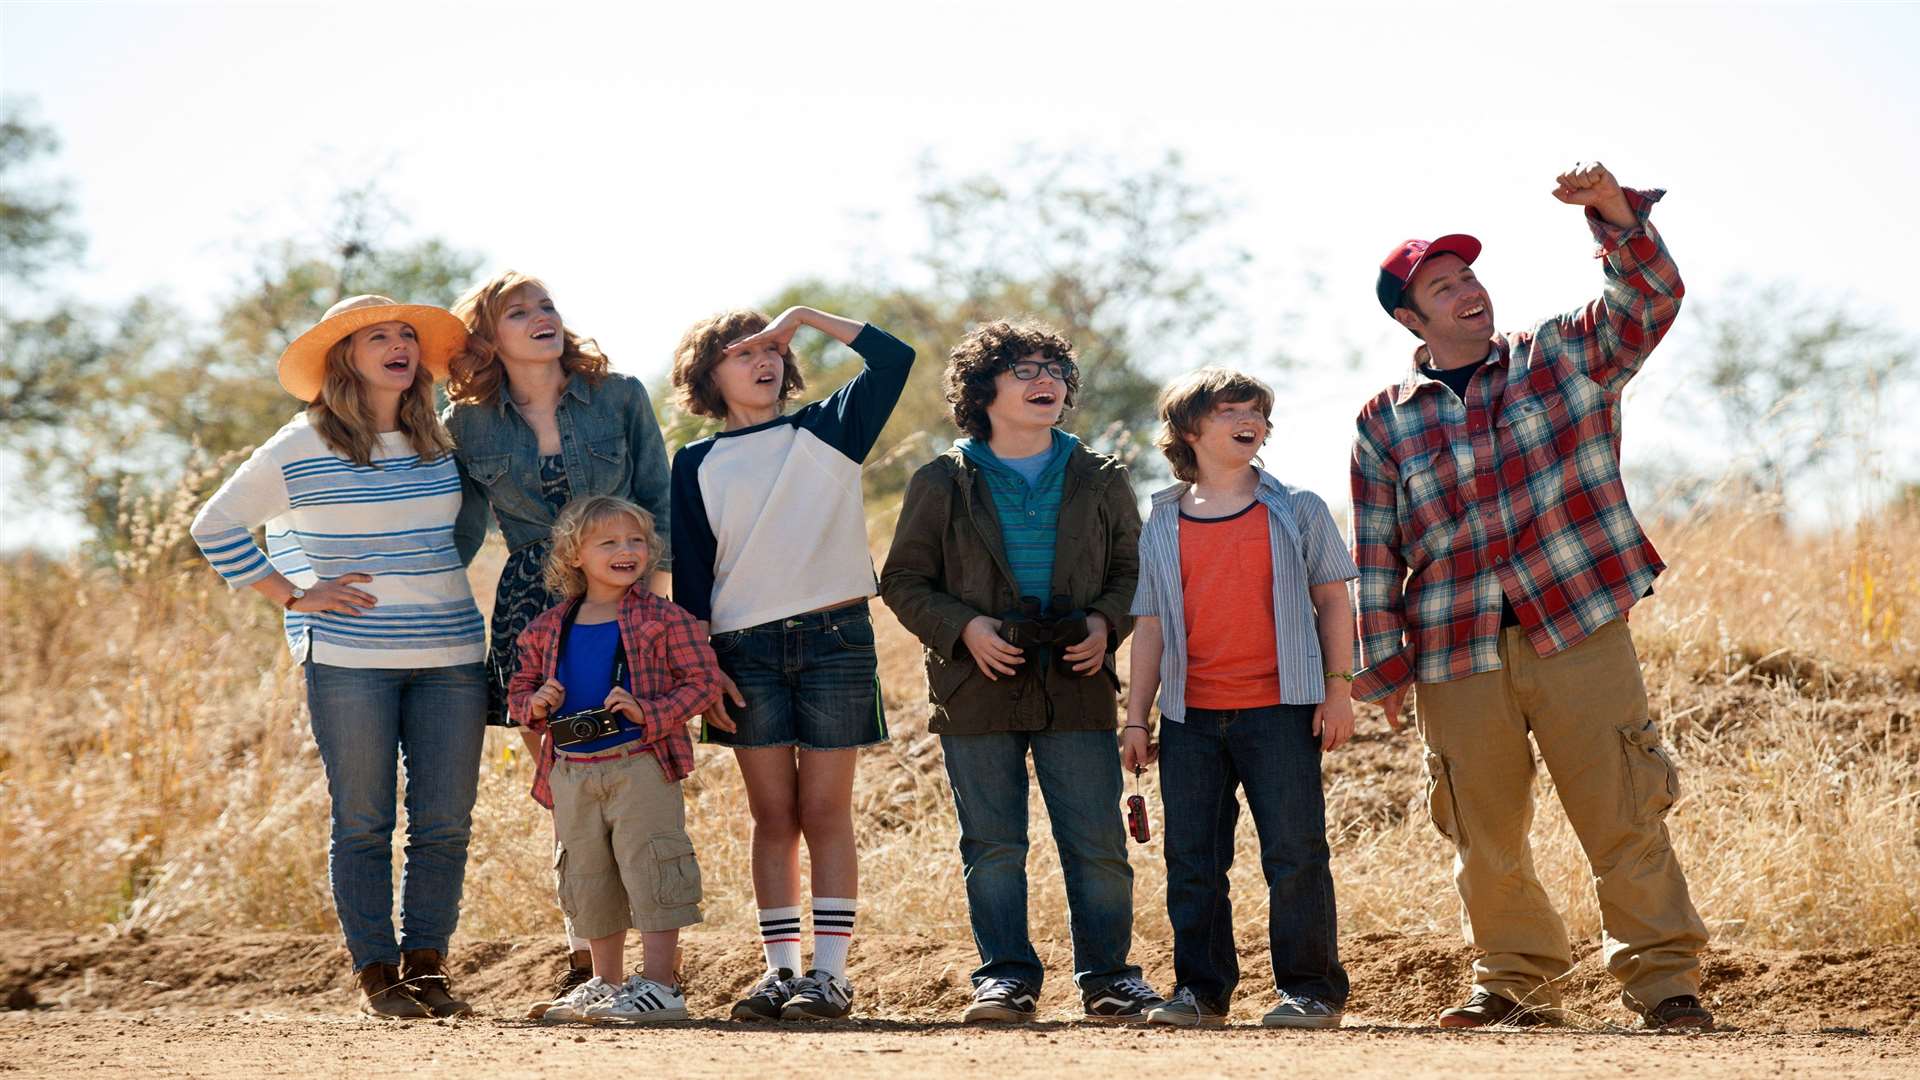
x,y
819,996
1122,1001
1001,1001
765,998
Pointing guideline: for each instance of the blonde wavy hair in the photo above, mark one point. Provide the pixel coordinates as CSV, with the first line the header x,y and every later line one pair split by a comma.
x,y
571,530
344,421
478,372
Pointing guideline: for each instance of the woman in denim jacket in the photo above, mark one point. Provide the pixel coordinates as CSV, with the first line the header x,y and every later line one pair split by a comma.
x,y
539,419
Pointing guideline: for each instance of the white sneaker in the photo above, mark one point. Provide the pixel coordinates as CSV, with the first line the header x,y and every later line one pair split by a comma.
x,y
573,1006
641,1001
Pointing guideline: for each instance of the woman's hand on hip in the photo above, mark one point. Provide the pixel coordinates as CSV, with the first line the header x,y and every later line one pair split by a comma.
x,y
336,595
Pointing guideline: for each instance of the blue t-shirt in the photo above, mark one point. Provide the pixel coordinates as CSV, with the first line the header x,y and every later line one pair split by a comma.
x,y
586,670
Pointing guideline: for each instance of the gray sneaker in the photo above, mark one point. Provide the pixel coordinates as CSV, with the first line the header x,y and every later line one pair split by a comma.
x,y
1186,1010
819,996
1299,1011
766,998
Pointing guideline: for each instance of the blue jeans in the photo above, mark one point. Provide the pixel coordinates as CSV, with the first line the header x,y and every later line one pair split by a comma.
x,y
364,720
1079,773
1273,754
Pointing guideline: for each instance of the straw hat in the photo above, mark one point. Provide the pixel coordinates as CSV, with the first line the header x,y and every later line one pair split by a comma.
x,y
303,365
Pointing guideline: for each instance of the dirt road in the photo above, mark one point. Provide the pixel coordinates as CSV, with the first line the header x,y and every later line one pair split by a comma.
x,y
278,1005
268,1044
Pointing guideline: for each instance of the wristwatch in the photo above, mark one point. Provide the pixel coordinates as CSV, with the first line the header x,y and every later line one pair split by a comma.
x,y
297,594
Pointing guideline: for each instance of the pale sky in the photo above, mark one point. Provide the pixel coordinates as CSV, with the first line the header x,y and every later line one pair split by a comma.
x,y
658,163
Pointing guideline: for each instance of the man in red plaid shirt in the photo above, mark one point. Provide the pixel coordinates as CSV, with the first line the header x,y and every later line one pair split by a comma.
x,y
1498,558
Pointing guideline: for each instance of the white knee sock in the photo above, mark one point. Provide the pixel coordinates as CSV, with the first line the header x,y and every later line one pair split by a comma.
x,y
832,933
780,937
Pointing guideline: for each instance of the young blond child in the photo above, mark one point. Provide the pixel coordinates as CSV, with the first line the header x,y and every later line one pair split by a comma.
x,y
624,860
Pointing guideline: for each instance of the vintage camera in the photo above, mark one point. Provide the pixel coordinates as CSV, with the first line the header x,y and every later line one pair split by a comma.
x,y
1034,629
1137,818
583,726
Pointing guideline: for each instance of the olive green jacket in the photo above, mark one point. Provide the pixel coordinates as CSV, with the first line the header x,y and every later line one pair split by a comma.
x,y
948,565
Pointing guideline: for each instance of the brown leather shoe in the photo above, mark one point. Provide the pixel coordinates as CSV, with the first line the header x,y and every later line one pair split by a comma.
x,y
1484,1008
382,994
1682,1013
425,976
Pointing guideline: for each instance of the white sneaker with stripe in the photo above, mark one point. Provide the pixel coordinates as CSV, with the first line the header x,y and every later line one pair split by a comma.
x,y
641,1001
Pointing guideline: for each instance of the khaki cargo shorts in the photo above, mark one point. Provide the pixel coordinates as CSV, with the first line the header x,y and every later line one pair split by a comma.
x,y
622,858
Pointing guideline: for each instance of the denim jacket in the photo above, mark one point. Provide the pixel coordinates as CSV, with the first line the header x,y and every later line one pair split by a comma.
x,y
609,441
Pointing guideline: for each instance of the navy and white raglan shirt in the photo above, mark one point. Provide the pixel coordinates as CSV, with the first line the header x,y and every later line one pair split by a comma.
x,y
326,516
768,520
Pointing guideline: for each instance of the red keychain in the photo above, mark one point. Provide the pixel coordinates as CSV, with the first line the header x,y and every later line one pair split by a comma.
x,y
1137,812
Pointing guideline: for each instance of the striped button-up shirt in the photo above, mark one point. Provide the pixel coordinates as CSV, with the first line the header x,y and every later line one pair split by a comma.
x,y
1307,550
674,673
1514,492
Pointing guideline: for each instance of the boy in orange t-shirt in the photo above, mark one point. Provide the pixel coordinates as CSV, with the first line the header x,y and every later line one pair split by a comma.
x,y
1245,636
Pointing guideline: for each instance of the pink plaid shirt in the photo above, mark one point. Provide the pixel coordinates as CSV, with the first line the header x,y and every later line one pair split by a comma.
x,y
674,672
1516,491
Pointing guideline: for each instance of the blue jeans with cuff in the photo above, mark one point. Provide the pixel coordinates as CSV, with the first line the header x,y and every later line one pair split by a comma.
x,y
1079,774
1274,756
366,722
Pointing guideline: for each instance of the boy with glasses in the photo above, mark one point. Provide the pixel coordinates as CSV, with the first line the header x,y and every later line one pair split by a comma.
x,y
1014,562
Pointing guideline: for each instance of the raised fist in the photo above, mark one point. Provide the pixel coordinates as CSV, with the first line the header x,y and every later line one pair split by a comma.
x,y
1586,184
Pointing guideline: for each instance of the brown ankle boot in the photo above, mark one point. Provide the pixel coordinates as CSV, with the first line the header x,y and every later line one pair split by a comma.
x,y
426,979
382,995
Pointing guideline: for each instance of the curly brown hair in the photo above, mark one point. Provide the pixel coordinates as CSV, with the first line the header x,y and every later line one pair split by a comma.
x,y
1192,396
703,346
478,372
988,350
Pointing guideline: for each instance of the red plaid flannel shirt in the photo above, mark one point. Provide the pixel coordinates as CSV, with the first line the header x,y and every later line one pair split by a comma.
x,y
1515,492
675,677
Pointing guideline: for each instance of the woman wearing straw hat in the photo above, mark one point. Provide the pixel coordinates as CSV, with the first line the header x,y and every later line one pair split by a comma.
x,y
538,419
359,494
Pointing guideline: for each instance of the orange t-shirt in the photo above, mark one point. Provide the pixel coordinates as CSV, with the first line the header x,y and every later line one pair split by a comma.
x,y
1226,586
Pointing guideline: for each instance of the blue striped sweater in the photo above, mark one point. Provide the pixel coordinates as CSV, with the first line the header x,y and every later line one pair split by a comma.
x,y
325,516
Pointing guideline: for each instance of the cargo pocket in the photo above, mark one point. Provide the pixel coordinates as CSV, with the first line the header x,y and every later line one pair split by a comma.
x,y
1440,806
676,874
1652,782
560,880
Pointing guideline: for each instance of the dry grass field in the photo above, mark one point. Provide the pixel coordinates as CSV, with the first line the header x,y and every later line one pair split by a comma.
x,y
157,773
163,827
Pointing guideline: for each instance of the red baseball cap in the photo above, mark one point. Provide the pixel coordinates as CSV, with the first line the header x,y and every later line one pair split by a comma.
x,y
1396,270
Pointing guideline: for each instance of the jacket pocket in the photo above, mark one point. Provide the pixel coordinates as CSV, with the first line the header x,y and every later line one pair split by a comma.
x,y
1653,784
505,492
676,873
607,458
1440,803
945,677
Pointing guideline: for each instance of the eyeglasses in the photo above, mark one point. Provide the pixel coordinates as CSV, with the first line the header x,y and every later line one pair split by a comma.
x,y
1028,370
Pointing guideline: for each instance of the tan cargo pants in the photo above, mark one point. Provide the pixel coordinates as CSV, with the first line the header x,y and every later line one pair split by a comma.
x,y
1587,710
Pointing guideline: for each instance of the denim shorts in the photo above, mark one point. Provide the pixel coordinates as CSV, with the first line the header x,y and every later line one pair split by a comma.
x,y
810,681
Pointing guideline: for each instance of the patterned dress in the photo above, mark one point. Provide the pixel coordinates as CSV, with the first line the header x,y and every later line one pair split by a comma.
x,y
521,595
